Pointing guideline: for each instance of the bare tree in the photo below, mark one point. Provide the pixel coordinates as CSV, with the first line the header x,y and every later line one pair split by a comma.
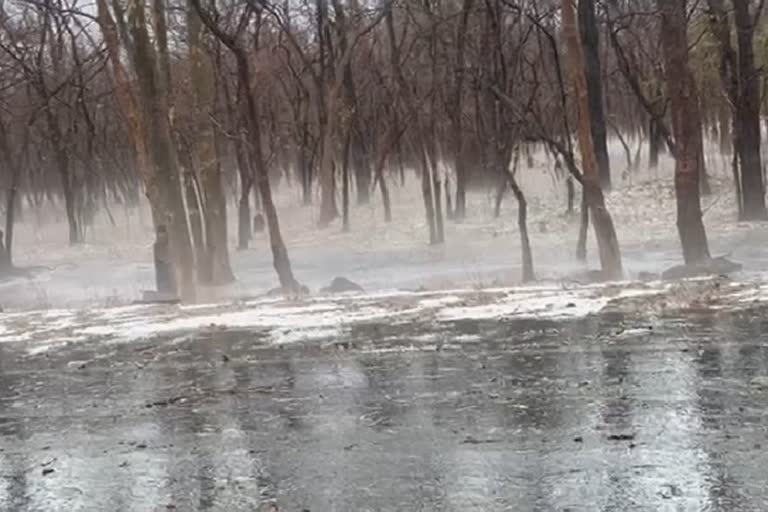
x,y
686,125
233,42
605,233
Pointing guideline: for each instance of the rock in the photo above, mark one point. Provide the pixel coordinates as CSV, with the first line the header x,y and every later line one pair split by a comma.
x,y
714,266
342,285
48,471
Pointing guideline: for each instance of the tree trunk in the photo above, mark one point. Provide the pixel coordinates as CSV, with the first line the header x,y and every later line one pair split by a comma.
x,y
581,243
456,113
390,142
420,130
305,167
216,267
62,163
591,45
500,190
605,233
10,212
748,115
280,257
14,167
522,224
686,125
426,194
129,108
345,181
655,144
156,112
244,217
195,216
359,151
437,189
244,167
327,178
725,139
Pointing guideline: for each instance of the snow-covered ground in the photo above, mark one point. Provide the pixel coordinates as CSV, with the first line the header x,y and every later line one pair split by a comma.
x,y
87,290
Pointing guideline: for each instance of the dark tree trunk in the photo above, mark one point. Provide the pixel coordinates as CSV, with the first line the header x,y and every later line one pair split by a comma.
x,y
724,130
655,144
590,42
359,152
420,143
244,205
522,224
305,161
748,115
605,232
244,218
164,158
439,224
456,113
214,267
6,258
244,169
686,125
62,162
390,141
165,274
280,257
571,193
345,182
426,194
385,200
362,168
581,244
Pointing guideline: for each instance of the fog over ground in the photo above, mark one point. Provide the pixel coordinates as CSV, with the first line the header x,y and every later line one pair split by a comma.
x,y
476,272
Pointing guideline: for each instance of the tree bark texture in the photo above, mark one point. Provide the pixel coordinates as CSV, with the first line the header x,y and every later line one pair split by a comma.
x,y
590,41
686,126
748,115
216,257
605,233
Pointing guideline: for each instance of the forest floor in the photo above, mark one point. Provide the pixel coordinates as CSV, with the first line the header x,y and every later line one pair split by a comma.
x,y
114,265
89,290
447,385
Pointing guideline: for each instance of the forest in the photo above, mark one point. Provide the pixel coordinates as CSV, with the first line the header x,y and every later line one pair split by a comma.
x,y
543,223
203,108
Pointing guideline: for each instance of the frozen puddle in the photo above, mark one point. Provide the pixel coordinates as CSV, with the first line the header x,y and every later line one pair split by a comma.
x,y
321,318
